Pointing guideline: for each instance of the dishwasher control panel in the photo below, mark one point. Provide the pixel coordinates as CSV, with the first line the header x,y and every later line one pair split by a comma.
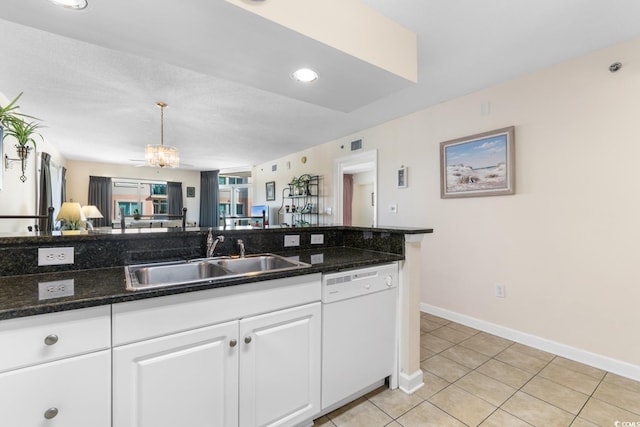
x,y
362,281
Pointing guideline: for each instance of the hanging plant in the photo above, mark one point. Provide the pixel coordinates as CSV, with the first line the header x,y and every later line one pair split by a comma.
x,y
9,112
23,131
16,125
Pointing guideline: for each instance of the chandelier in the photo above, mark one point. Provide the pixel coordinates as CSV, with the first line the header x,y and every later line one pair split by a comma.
x,y
161,155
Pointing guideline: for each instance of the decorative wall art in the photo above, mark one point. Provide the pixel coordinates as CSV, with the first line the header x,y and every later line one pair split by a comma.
x,y
191,191
478,165
271,190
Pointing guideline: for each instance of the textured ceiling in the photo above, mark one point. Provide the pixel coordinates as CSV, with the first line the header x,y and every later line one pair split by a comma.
x,y
94,76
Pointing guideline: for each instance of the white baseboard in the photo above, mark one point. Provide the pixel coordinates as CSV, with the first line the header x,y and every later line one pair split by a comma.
x,y
410,383
615,366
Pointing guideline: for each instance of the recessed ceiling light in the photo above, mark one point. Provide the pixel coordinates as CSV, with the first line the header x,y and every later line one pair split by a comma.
x,y
71,4
304,75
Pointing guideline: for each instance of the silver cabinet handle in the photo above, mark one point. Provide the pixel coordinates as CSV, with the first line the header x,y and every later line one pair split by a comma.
x,y
51,339
50,413
233,343
247,339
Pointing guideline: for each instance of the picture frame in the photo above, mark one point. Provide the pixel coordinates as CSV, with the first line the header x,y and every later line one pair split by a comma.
x,y
270,188
191,191
478,165
401,177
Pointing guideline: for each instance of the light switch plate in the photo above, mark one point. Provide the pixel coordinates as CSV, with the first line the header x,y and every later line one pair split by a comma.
x,y
291,240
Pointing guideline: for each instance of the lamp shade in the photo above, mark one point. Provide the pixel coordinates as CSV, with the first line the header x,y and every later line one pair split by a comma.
x,y
162,156
70,211
90,211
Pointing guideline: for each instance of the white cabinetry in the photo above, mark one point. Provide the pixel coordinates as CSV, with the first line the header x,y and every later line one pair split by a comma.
x,y
245,356
188,378
280,367
55,369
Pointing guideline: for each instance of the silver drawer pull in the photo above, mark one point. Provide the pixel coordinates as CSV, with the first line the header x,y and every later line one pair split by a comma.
x,y
247,339
233,343
51,339
50,413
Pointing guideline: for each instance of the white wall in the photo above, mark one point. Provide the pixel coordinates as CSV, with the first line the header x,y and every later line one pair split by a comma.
x,y
78,181
566,245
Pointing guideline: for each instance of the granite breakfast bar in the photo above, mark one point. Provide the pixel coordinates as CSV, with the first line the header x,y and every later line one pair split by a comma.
x,y
94,324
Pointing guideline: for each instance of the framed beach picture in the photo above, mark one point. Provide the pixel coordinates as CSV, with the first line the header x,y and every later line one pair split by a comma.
x,y
271,190
478,165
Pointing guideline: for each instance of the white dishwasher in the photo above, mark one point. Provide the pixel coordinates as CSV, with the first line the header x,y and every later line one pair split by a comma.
x,y
358,331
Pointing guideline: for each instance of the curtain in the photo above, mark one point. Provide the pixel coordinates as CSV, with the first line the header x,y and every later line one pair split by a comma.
x,y
63,185
44,200
209,199
100,197
347,198
174,198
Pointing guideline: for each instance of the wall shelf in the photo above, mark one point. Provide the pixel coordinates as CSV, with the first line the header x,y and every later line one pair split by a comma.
x,y
300,205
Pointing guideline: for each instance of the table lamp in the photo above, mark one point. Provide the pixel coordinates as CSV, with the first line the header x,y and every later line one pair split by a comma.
x,y
90,212
71,216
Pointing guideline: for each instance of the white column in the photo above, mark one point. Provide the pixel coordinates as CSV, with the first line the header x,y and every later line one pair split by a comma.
x,y
410,375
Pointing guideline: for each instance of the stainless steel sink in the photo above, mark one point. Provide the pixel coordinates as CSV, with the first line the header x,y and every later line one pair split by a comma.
x,y
257,264
154,275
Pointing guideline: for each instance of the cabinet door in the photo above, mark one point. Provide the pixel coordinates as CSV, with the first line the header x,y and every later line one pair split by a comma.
x,y
72,392
280,367
184,379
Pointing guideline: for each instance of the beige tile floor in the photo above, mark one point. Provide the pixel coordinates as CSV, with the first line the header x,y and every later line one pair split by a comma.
x,y
476,379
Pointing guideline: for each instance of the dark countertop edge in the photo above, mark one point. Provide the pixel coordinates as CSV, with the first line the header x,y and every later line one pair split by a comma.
x,y
19,238
65,304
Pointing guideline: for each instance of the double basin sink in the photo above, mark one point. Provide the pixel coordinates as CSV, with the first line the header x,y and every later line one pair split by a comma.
x,y
155,275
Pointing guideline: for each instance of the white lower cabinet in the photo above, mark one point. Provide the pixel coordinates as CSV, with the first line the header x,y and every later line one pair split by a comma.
x,y
260,371
72,392
183,379
240,359
280,367
55,370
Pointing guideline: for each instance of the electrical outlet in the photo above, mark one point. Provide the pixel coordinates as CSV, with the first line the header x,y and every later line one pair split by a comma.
x,y
500,290
55,289
317,239
317,258
55,256
291,240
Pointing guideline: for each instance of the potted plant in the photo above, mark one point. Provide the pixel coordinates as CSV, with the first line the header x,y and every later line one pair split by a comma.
x,y
24,133
15,124
300,186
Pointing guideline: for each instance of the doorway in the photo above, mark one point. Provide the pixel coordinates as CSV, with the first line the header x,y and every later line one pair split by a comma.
x,y
356,189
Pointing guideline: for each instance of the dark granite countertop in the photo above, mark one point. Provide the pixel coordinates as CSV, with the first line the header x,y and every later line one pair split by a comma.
x,y
19,295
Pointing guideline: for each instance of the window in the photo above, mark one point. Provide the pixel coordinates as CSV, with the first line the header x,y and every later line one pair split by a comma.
x,y
235,197
147,197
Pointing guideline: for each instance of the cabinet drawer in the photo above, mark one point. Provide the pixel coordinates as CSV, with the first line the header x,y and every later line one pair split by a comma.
x,y
43,338
74,392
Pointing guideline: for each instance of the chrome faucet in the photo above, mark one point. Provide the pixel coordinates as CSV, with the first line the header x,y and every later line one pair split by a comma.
x,y
241,245
211,243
